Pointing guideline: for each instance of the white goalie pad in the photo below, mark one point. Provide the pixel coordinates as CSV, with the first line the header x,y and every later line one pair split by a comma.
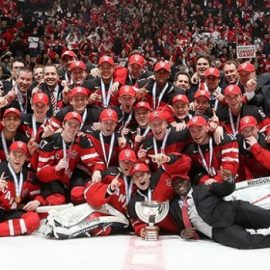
x,y
75,222
255,191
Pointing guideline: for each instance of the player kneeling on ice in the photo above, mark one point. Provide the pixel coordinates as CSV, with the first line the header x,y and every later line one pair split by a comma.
x,y
19,194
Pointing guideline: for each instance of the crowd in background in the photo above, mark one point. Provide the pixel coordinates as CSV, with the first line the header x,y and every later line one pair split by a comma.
x,y
172,30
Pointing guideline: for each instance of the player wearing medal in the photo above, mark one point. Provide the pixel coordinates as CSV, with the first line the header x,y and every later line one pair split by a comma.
x,y
10,132
33,125
207,157
157,186
59,158
107,141
165,139
19,194
116,185
229,116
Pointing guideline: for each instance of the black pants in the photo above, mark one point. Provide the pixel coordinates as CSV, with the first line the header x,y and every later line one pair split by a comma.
x,y
79,178
248,216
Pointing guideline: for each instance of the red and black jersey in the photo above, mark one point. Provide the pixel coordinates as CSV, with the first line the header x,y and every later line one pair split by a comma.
x,y
225,154
109,157
174,142
30,188
254,160
27,126
81,151
145,132
95,86
224,117
160,190
97,195
125,120
89,116
134,82
168,91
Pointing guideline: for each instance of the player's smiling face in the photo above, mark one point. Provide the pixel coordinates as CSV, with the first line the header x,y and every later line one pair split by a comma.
x,y
79,103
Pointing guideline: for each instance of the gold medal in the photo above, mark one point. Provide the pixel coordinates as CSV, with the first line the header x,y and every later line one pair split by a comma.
x,y
17,199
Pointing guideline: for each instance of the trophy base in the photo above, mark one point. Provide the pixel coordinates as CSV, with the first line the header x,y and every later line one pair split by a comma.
x,y
151,233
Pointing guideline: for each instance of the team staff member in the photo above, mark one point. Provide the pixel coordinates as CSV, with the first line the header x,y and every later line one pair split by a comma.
x,y
58,158
19,194
19,96
223,221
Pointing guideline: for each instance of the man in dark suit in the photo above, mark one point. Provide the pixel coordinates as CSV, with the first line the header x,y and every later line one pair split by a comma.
x,y
223,221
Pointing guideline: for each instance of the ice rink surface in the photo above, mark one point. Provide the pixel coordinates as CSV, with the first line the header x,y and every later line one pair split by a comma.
x,y
124,252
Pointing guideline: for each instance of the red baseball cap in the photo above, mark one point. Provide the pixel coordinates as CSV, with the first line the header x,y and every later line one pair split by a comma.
x,y
212,72
73,115
247,121
108,114
157,115
142,104
202,93
182,98
127,90
78,90
106,59
77,64
232,89
40,97
127,154
136,59
197,121
184,169
69,53
12,110
162,65
18,146
246,66
140,167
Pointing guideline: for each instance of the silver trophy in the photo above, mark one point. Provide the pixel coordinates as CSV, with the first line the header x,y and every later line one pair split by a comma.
x,y
151,212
